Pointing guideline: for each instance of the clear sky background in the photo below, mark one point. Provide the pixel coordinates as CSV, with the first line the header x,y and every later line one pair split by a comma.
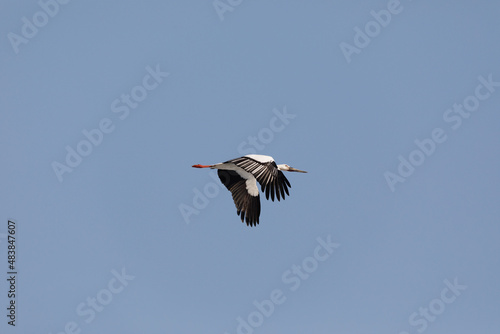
x,y
409,257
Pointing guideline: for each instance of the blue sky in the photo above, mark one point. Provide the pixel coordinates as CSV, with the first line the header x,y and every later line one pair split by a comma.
x,y
392,107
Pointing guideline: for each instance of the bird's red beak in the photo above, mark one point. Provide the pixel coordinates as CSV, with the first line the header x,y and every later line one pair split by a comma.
x,y
201,166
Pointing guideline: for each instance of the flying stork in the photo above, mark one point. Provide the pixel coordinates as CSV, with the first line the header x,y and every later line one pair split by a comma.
x,y
240,175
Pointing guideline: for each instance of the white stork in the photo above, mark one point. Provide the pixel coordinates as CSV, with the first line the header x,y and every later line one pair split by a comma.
x,y
240,175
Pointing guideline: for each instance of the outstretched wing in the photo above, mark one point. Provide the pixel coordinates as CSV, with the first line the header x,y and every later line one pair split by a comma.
x,y
271,179
245,198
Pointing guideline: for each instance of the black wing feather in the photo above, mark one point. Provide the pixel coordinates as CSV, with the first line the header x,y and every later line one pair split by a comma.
x,y
247,206
272,180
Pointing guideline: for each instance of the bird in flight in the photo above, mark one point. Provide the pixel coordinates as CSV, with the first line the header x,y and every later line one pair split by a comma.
x,y
240,177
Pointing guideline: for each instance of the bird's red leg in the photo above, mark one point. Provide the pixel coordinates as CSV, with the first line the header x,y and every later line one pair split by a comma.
x,y
202,166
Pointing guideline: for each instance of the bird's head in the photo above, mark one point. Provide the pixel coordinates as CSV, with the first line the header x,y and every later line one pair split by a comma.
x,y
290,169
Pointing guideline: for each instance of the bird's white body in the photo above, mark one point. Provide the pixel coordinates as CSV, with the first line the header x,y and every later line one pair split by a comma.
x,y
247,171
260,158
